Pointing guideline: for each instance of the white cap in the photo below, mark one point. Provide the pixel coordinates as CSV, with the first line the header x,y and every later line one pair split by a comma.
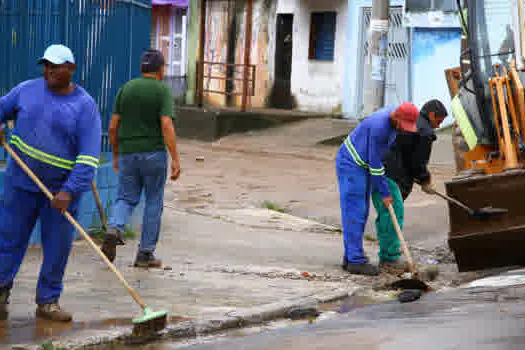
x,y
57,54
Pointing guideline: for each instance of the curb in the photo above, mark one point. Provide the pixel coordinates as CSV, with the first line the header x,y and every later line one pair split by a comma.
x,y
193,329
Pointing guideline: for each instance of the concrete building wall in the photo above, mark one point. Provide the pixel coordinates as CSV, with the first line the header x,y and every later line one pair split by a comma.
x,y
316,85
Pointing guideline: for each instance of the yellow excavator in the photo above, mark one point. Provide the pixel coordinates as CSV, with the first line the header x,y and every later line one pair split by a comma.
x,y
489,135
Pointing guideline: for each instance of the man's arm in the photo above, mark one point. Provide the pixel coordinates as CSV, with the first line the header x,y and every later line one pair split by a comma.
x,y
9,104
88,140
377,170
170,139
168,132
114,126
419,159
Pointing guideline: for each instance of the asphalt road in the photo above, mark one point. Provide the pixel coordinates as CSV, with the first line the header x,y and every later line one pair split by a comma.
x,y
466,320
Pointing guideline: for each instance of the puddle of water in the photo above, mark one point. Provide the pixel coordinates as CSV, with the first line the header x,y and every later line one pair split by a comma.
x,y
17,331
347,305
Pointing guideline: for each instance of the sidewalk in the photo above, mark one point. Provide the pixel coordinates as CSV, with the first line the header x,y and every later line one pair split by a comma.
x,y
217,267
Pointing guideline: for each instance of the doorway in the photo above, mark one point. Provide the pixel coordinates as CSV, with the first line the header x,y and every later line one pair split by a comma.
x,y
171,29
282,90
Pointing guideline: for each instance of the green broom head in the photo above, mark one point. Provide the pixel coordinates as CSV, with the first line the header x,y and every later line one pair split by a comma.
x,y
150,315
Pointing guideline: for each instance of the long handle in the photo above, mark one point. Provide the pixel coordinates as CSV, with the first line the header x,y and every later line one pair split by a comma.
x,y
70,218
454,201
401,239
100,207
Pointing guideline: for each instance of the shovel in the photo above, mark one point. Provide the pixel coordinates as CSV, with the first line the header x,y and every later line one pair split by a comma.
x,y
411,281
486,213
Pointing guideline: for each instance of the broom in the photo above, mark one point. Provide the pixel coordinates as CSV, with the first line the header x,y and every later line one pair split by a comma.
x,y
150,321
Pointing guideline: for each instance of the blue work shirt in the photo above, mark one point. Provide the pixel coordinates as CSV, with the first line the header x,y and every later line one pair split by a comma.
x,y
57,136
369,143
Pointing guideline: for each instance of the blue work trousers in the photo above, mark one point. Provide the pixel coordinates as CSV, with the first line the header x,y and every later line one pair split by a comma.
x,y
354,192
19,212
141,172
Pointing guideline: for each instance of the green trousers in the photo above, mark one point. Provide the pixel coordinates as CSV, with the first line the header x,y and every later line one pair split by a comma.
x,y
389,245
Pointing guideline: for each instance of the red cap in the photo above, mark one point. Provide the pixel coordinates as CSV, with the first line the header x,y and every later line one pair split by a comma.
x,y
407,115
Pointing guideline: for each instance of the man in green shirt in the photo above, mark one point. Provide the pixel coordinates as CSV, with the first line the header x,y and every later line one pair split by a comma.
x,y
140,131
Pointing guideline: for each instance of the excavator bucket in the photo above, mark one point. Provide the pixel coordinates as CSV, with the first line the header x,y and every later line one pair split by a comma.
x,y
498,242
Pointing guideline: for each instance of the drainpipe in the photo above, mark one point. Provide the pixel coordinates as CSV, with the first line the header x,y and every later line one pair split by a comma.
x,y
247,53
375,66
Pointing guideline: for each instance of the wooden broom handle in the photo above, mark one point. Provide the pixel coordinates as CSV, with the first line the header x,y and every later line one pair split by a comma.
x,y
400,236
72,220
100,207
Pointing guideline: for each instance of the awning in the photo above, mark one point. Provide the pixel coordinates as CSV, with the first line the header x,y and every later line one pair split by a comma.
x,y
175,3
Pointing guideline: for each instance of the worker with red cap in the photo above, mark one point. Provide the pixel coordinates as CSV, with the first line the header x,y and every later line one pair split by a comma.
x,y
359,165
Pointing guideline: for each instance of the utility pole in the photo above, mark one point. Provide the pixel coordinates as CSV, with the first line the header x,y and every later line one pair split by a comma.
x,y
375,65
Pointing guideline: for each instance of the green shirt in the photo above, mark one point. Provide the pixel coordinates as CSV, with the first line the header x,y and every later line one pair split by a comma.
x,y
141,103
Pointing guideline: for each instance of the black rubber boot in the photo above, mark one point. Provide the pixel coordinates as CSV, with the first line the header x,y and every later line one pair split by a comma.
x,y
366,269
146,260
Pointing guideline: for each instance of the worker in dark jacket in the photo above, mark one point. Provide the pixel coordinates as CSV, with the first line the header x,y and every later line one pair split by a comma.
x,y
406,163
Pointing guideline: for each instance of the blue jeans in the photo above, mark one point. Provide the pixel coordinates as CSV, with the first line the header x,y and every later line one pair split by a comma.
x,y
19,212
141,172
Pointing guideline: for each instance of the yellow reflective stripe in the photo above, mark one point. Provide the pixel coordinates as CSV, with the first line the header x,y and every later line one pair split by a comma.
x,y
88,158
39,158
359,161
39,154
354,154
87,163
377,173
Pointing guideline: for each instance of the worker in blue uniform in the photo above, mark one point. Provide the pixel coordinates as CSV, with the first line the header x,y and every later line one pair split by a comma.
x,y
57,134
360,169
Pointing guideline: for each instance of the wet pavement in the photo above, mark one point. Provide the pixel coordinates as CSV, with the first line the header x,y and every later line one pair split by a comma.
x,y
468,319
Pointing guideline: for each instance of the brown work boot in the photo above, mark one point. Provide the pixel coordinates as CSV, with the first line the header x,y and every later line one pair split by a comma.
x,y
398,266
53,312
4,301
146,260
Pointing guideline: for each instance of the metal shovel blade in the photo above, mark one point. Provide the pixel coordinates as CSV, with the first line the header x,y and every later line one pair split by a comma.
x,y
487,213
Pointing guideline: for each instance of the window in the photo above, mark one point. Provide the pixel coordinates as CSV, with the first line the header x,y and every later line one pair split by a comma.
x,y
322,36
431,5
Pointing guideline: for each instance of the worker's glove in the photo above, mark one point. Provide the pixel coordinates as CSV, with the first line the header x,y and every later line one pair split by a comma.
x,y
428,187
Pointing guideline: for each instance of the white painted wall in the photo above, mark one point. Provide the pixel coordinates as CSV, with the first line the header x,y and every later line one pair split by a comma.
x,y
317,86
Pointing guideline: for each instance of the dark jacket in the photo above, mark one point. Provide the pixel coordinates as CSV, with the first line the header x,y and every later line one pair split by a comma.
x,y
407,160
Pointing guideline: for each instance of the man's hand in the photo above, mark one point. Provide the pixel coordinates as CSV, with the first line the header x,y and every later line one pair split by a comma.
x,y
61,201
115,162
428,188
387,201
175,169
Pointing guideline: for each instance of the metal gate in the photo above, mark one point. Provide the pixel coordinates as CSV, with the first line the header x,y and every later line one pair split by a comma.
x,y
398,63
106,36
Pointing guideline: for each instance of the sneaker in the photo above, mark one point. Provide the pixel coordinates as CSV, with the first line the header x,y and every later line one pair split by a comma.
x,y
397,266
4,301
53,312
147,260
366,269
